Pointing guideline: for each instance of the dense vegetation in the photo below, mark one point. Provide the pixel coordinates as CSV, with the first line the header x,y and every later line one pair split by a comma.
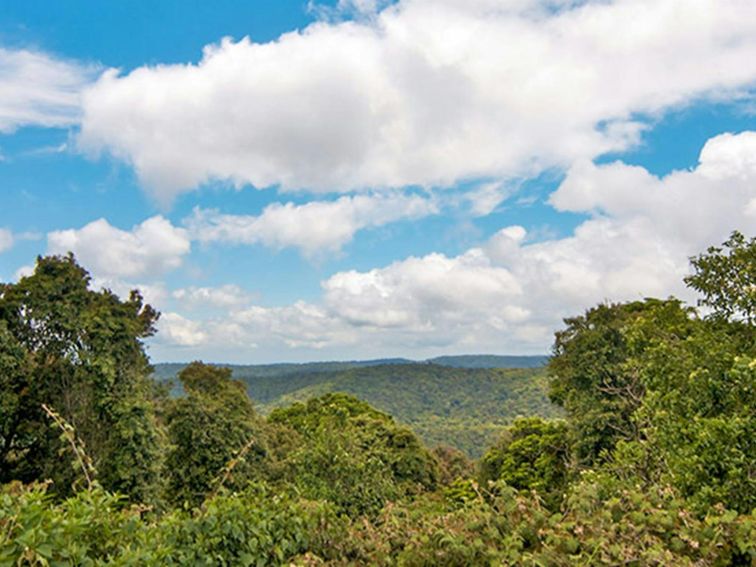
x,y
461,403
252,372
654,462
465,409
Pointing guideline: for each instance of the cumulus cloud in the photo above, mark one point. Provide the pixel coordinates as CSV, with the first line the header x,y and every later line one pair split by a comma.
x,y
179,331
729,156
314,228
419,293
511,293
148,250
693,208
425,92
300,325
37,89
6,239
641,233
226,296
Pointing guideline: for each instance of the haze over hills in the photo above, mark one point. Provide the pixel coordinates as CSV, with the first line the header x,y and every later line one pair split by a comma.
x,y
170,369
461,401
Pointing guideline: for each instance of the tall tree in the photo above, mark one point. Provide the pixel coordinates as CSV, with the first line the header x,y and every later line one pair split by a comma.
x,y
213,429
591,376
697,419
80,352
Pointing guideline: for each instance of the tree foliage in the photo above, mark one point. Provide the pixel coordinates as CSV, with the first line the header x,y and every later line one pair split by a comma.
x,y
354,455
606,522
211,426
653,465
80,352
465,408
726,278
697,417
532,455
591,376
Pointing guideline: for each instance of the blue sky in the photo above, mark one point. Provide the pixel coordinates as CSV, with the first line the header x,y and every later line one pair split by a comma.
x,y
358,179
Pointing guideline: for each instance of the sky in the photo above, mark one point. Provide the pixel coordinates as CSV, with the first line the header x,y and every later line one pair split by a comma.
x,y
288,180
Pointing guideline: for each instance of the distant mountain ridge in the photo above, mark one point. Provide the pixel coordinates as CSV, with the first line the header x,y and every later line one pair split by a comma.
x,y
165,370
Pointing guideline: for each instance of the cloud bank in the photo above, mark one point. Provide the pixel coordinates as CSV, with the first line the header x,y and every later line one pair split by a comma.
x,y
509,294
315,228
425,92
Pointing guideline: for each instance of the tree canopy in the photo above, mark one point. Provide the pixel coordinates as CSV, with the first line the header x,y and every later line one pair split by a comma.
x,y
212,425
725,276
354,455
81,353
654,462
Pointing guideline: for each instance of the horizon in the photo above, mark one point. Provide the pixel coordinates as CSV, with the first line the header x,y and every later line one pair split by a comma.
x,y
362,179
410,360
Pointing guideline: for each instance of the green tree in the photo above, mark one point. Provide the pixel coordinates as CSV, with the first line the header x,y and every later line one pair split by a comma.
x,y
726,278
697,419
80,352
353,455
532,454
591,377
215,435
20,410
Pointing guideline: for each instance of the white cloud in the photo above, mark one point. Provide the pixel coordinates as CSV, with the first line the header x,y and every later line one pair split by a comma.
x,y
6,239
427,92
511,293
315,227
301,325
179,331
297,326
149,250
485,199
729,156
37,89
425,293
227,296
692,208
641,232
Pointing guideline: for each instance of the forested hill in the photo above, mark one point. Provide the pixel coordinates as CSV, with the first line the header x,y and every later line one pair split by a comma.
x,y
171,369
462,407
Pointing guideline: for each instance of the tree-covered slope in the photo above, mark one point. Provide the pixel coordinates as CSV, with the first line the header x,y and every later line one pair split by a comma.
x,y
455,403
166,370
464,408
